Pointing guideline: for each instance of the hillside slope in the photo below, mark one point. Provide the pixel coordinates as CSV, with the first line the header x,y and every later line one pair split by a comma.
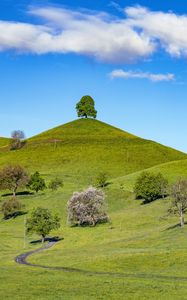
x,y
80,149
171,170
4,141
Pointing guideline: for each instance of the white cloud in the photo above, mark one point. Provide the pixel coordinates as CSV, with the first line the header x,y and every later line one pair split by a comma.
x,y
141,75
168,29
137,35
94,34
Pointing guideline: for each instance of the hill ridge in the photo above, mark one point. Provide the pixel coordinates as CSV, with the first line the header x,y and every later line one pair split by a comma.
x,y
80,149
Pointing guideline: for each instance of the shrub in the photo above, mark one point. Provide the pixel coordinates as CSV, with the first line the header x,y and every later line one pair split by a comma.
x,y
150,186
87,208
101,180
11,207
36,183
55,184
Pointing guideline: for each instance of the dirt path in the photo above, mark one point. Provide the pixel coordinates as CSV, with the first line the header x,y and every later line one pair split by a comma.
x,y
22,259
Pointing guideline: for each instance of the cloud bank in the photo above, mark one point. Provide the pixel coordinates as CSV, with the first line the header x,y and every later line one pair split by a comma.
x,y
136,35
141,75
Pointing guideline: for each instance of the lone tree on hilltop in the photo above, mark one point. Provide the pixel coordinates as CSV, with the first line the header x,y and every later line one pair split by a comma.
x,y
36,183
17,141
12,178
86,107
87,208
42,222
179,199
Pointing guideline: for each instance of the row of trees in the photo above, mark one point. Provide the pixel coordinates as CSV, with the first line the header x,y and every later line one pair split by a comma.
x,y
150,186
14,177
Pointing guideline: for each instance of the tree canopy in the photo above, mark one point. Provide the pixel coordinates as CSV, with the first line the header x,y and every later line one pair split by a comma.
x,y
87,208
36,183
150,186
13,177
18,137
42,222
179,199
86,107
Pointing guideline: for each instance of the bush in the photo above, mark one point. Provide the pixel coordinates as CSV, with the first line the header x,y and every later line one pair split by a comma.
x,y
36,183
101,180
150,186
87,208
55,184
11,208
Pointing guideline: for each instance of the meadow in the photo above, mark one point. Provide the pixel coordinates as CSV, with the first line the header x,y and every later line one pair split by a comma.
x,y
139,254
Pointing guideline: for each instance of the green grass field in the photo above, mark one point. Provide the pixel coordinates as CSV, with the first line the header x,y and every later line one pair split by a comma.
x,y
142,250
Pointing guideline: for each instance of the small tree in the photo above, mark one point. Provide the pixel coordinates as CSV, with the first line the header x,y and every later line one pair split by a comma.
x,y
87,208
55,184
179,199
36,183
11,207
18,137
150,186
42,222
101,180
86,107
12,178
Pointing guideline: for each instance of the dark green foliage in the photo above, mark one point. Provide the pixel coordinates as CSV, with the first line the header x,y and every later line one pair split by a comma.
x,y
86,107
55,184
87,208
11,207
12,178
42,222
36,183
101,180
150,186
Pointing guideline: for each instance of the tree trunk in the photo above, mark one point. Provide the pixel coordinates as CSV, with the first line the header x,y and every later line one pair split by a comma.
x,y
181,219
14,192
43,239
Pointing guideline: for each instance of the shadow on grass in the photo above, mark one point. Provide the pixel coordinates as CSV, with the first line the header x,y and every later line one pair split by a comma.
x,y
15,215
175,226
24,193
48,239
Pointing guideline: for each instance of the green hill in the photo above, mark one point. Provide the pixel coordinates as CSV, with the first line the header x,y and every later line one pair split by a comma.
x,y
140,254
82,148
4,142
171,170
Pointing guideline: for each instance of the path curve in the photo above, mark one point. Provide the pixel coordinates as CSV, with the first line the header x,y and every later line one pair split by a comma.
x,y
22,259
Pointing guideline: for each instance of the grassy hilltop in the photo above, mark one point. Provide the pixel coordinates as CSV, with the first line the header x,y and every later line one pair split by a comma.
x,y
142,250
82,148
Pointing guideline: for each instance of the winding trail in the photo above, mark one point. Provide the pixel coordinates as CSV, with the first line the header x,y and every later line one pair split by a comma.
x,y
22,259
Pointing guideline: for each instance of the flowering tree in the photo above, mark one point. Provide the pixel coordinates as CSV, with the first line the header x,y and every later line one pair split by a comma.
x,y
87,208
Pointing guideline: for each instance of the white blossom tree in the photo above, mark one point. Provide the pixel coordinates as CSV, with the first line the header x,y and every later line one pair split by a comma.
x,y
87,208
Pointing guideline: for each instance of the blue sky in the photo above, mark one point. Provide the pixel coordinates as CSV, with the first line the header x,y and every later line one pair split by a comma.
x,y
129,56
